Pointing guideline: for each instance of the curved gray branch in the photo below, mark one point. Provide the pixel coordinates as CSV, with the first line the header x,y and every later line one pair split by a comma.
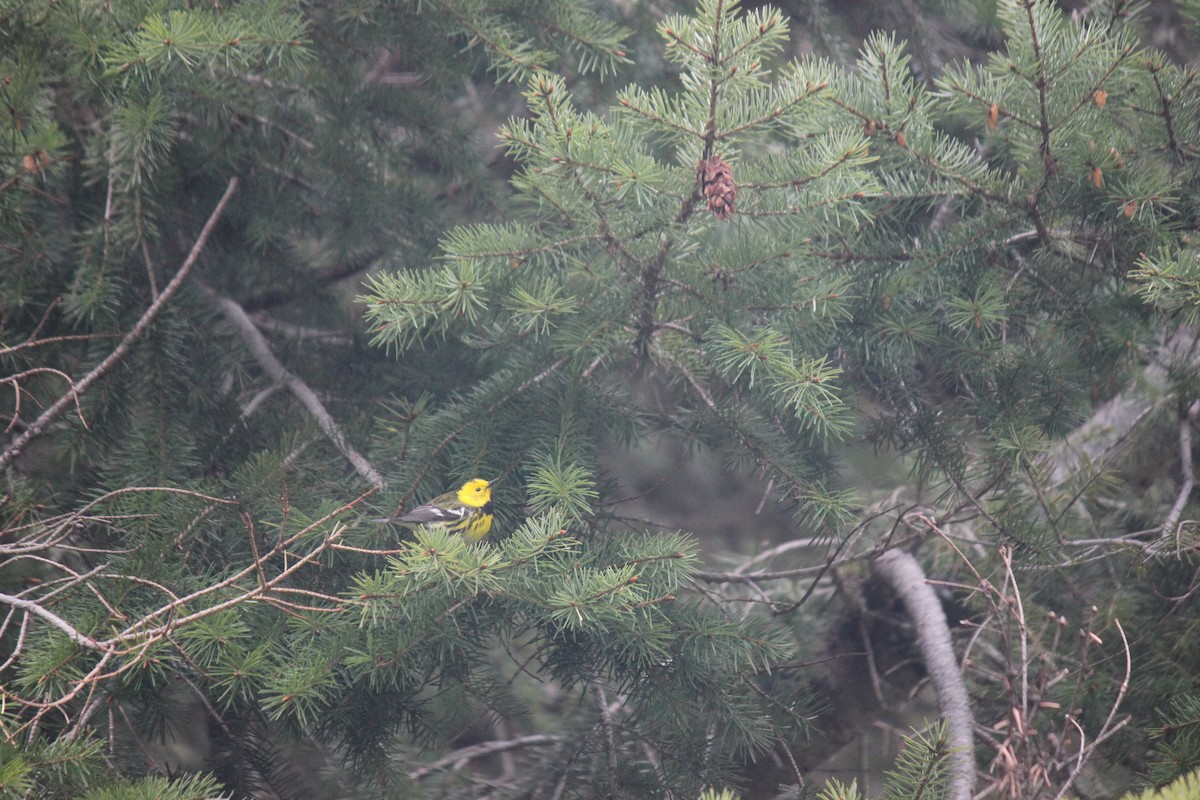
x,y
902,572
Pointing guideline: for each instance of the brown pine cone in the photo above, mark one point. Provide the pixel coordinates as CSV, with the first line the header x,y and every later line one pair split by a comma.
x,y
716,179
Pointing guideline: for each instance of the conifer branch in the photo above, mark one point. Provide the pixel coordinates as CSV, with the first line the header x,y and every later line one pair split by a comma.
x,y
1166,101
796,183
811,90
520,57
1001,112
790,211
659,119
652,275
485,413
714,83
258,346
38,427
1097,86
969,285
747,440
1041,83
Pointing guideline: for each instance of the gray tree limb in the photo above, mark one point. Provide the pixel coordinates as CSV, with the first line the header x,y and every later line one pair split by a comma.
x,y
261,350
902,572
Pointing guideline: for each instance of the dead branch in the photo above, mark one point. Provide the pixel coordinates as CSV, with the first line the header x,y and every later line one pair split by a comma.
x,y
261,350
459,758
1171,525
140,635
37,610
1108,728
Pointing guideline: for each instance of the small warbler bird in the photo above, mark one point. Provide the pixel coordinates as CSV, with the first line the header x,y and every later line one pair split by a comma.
x,y
467,511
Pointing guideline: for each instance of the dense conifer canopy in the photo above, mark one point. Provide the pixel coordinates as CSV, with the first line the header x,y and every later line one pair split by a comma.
x,y
910,302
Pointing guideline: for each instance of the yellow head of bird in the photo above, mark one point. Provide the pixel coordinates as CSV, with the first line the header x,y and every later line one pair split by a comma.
x,y
475,493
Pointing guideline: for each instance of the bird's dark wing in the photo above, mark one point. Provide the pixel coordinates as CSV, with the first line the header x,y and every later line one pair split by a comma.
x,y
430,514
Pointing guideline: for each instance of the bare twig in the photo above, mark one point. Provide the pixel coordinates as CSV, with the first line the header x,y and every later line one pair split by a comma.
x,y
15,380
35,608
35,342
459,758
734,577
131,644
1108,728
1170,525
141,630
1019,608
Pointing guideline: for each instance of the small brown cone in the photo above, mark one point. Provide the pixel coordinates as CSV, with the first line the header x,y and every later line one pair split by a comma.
x,y
716,180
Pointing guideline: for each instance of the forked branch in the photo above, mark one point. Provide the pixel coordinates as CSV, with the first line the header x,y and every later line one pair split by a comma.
x,y
261,350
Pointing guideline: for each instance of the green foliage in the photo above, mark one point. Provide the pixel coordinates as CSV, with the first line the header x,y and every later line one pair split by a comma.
x,y
198,787
713,794
520,38
55,769
1170,281
920,769
836,790
1177,741
1182,788
569,486
919,772
622,247
262,34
